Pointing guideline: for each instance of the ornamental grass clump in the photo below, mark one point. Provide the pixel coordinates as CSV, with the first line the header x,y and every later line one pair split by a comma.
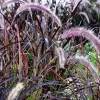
x,y
35,49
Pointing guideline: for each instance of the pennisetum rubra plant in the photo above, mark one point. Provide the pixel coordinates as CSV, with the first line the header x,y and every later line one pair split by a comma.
x,y
33,56
87,64
88,34
15,91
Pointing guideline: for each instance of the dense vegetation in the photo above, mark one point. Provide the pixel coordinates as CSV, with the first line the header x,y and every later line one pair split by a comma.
x,y
49,50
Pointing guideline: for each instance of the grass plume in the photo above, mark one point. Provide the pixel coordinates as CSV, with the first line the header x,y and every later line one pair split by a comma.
x,y
38,7
87,64
60,52
88,34
15,91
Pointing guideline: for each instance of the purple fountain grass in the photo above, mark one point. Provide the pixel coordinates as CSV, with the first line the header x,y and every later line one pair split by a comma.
x,y
1,21
88,34
38,7
15,91
87,64
60,53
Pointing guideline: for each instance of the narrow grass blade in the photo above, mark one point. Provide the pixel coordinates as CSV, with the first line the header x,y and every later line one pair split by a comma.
x,y
25,61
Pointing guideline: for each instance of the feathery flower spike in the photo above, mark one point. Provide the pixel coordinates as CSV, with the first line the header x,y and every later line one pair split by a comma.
x,y
15,91
88,34
88,65
60,52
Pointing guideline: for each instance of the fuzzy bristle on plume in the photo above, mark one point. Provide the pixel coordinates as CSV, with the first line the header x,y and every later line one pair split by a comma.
x,y
88,34
87,64
15,91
